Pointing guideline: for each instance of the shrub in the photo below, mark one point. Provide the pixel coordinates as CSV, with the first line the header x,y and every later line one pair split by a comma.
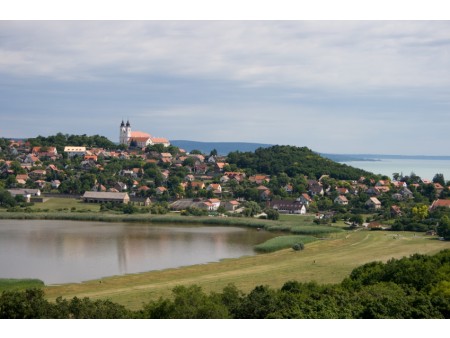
x,y
298,246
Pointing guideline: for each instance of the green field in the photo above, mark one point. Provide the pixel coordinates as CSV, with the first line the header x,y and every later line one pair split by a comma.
x,y
324,261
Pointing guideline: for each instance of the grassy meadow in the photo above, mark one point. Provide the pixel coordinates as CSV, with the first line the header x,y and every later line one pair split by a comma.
x,y
324,261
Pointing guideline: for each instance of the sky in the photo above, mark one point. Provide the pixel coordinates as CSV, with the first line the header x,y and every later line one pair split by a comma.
x,y
345,86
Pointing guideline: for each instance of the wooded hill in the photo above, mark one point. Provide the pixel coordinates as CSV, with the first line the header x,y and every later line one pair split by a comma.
x,y
293,161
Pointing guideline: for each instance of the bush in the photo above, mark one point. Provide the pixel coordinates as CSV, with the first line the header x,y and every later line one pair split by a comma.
x,y
298,246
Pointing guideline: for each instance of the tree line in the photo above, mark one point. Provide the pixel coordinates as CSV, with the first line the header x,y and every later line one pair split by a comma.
x,y
411,287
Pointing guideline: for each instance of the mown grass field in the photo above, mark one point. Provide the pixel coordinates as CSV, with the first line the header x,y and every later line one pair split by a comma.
x,y
325,261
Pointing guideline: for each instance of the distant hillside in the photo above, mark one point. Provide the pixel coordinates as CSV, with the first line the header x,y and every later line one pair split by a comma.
x,y
293,161
223,148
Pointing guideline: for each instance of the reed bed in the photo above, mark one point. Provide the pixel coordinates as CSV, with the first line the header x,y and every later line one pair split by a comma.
x,y
315,230
19,284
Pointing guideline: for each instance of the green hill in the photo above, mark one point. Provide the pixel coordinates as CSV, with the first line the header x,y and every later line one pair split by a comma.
x,y
293,161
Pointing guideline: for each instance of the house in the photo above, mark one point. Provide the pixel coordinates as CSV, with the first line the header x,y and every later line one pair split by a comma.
x,y
40,183
75,151
265,195
373,191
22,178
259,179
342,191
439,188
38,173
120,186
189,178
160,190
31,159
396,211
341,200
55,184
26,193
166,156
197,185
219,166
215,203
215,188
143,201
399,184
103,197
305,199
264,192
440,203
373,203
90,157
224,179
231,205
382,183
99,187
288,188
406,193
375,226
315,188
287,207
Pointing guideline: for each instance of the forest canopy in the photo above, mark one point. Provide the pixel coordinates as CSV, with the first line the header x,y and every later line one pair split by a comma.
x,y
293,161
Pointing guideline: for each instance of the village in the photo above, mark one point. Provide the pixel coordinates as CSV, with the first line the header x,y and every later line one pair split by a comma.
x,y
145,171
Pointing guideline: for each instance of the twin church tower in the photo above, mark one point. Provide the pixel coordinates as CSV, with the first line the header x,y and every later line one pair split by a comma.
x,y
138,138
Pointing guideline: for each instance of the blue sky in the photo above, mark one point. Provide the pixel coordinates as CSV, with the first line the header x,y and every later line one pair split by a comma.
x,y
333,86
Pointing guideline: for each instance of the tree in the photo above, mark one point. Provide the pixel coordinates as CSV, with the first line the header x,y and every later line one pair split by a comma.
x,y
251,209
357,219
272,214
420,212
6,199
439,178
443,229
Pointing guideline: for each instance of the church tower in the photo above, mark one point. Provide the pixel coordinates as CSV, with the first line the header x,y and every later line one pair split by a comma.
x,y
125,133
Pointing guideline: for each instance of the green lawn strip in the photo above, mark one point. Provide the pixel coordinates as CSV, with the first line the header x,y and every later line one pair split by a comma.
x,y
19,284
283,242
324,261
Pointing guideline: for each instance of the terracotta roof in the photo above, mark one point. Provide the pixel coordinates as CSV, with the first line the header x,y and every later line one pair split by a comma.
x,y
440,203
139,138
139,134
159,140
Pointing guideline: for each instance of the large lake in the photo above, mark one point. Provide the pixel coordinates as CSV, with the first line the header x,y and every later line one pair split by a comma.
x,y
69,251
423,168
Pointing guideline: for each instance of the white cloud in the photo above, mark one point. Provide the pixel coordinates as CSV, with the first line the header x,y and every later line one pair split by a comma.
x,y
337,54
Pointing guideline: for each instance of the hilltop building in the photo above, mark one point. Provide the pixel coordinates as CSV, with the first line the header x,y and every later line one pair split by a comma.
x,y
138,138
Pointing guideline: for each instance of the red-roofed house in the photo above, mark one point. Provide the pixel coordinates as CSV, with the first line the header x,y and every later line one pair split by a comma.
x,y
440,203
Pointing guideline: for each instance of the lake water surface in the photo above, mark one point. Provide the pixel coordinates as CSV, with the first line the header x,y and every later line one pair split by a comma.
x,y
423,168
70,251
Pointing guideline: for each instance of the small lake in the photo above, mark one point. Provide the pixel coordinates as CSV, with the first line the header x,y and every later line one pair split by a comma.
x,y
69,251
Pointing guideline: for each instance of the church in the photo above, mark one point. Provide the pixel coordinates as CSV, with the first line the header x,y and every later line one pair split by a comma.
x,y
138,138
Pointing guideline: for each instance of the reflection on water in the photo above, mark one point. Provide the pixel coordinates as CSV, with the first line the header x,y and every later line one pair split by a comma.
x,y
70,251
